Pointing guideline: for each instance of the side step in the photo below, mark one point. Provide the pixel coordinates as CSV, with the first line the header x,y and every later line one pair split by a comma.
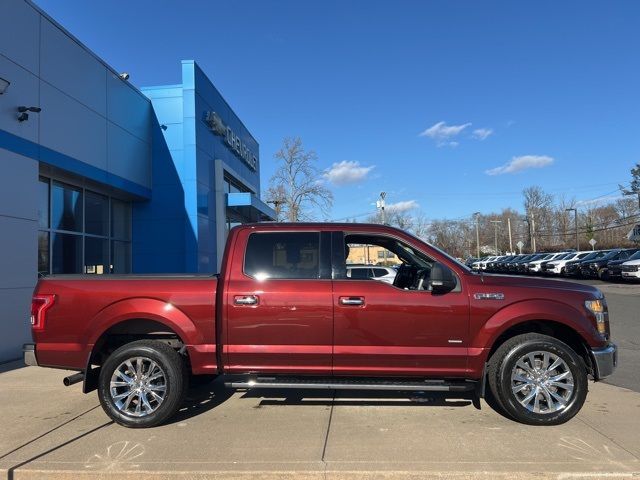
x,y
353,384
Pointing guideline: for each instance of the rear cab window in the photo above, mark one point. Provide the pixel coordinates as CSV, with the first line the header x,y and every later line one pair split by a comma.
x,y
283,255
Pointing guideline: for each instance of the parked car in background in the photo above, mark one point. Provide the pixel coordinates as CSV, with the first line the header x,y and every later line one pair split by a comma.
x,y
493,266
597,268
631,270
376,272
519,265
614,267
572,268
558,266
482,264
535,266
525,265
505,266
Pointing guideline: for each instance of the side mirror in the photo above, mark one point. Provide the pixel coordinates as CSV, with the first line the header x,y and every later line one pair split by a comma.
x,y
442,279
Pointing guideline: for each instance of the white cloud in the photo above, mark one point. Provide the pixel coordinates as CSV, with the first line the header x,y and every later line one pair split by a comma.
x,y
482,133
523,162
347,172
402,206
442,133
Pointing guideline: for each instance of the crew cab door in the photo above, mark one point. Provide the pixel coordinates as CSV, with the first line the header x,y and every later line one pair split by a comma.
x,y
382,329
279,312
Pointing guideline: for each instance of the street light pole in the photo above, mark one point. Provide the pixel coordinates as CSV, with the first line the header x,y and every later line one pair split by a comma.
x,y
380,204
575,211
495,224
510,240
477,215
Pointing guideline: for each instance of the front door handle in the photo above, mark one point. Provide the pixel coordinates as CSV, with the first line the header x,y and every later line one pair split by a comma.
x,y
245,300
352,301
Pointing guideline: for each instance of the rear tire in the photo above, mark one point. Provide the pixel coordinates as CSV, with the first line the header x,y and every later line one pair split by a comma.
x,y
142,384
538,380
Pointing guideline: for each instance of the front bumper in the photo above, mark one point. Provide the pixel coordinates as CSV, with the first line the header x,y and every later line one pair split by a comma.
x,y
29,351
605,361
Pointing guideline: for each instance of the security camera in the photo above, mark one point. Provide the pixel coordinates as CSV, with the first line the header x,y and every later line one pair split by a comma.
x,y
163,127
23,109
23,116
124,76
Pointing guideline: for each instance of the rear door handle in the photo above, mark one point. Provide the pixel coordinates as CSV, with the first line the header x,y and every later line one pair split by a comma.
x,y
352,301
245,300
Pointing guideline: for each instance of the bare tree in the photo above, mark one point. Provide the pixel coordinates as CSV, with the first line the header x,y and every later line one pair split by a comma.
x,y
634,185
297,183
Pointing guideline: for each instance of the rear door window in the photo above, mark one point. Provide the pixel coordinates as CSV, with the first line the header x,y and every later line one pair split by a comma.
x,y
283,255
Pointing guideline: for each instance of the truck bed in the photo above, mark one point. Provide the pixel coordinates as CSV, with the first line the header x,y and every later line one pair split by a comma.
x,y
87,307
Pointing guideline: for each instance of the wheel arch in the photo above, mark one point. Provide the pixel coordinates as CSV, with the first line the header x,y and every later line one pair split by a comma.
x,y
551,328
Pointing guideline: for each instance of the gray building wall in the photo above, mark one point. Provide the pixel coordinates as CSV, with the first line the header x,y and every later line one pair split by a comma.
x,y
93,125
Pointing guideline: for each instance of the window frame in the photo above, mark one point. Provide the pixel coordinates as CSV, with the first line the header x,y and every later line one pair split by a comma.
x,y
339,259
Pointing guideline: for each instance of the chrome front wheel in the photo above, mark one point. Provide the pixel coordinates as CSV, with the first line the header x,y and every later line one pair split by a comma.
x,y
537,379
542,382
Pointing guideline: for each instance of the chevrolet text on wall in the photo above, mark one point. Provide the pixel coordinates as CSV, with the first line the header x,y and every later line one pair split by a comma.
x,y
217,126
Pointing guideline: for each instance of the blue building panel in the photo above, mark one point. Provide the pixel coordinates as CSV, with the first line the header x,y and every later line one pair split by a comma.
x,y
185,157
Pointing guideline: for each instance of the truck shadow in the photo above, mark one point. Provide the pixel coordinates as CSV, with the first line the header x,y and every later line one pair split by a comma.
x,y
202,398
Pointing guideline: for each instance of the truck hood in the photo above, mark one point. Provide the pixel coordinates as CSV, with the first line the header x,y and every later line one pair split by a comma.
x,y
525,282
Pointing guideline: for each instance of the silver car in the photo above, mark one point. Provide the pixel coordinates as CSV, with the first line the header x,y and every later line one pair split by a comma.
x,y
375,272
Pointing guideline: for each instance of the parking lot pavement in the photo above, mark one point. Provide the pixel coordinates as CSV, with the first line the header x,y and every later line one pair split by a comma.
x,y
50,431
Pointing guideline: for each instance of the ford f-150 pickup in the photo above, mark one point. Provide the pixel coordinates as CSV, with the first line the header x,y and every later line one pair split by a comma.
x,y
283,313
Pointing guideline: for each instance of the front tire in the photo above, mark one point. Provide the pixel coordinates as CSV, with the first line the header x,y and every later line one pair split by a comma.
x,y
142,384
538,380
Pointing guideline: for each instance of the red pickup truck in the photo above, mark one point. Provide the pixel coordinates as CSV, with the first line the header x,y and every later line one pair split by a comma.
x,y
283,313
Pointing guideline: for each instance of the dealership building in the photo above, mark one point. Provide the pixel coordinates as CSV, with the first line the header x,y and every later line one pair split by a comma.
x,y
100,177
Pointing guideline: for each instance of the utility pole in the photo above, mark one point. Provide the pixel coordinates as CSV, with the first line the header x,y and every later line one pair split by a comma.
x,y
477,215
510,239
533,234
495,224
380,204
575,211
277,206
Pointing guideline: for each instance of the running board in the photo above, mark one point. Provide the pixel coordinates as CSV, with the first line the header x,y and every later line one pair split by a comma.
x,y
354,384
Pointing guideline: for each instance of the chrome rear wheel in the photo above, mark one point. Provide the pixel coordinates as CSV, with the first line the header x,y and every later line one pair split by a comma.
x,y
138,386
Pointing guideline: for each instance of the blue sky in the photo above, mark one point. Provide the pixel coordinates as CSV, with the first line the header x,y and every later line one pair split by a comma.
x,y
451,106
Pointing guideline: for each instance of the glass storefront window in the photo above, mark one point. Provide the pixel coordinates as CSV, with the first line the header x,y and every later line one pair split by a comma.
x,y
120,257
96,255
43,203
102,243
43,253
120,219
96,214
66,208
66,253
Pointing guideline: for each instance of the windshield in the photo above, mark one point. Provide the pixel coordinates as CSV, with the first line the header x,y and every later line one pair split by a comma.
x,y
635,256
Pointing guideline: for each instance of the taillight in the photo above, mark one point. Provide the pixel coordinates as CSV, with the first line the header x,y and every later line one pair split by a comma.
x,y
39,306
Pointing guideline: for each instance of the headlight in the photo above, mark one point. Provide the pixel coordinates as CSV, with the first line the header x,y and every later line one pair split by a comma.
x,y
599,310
